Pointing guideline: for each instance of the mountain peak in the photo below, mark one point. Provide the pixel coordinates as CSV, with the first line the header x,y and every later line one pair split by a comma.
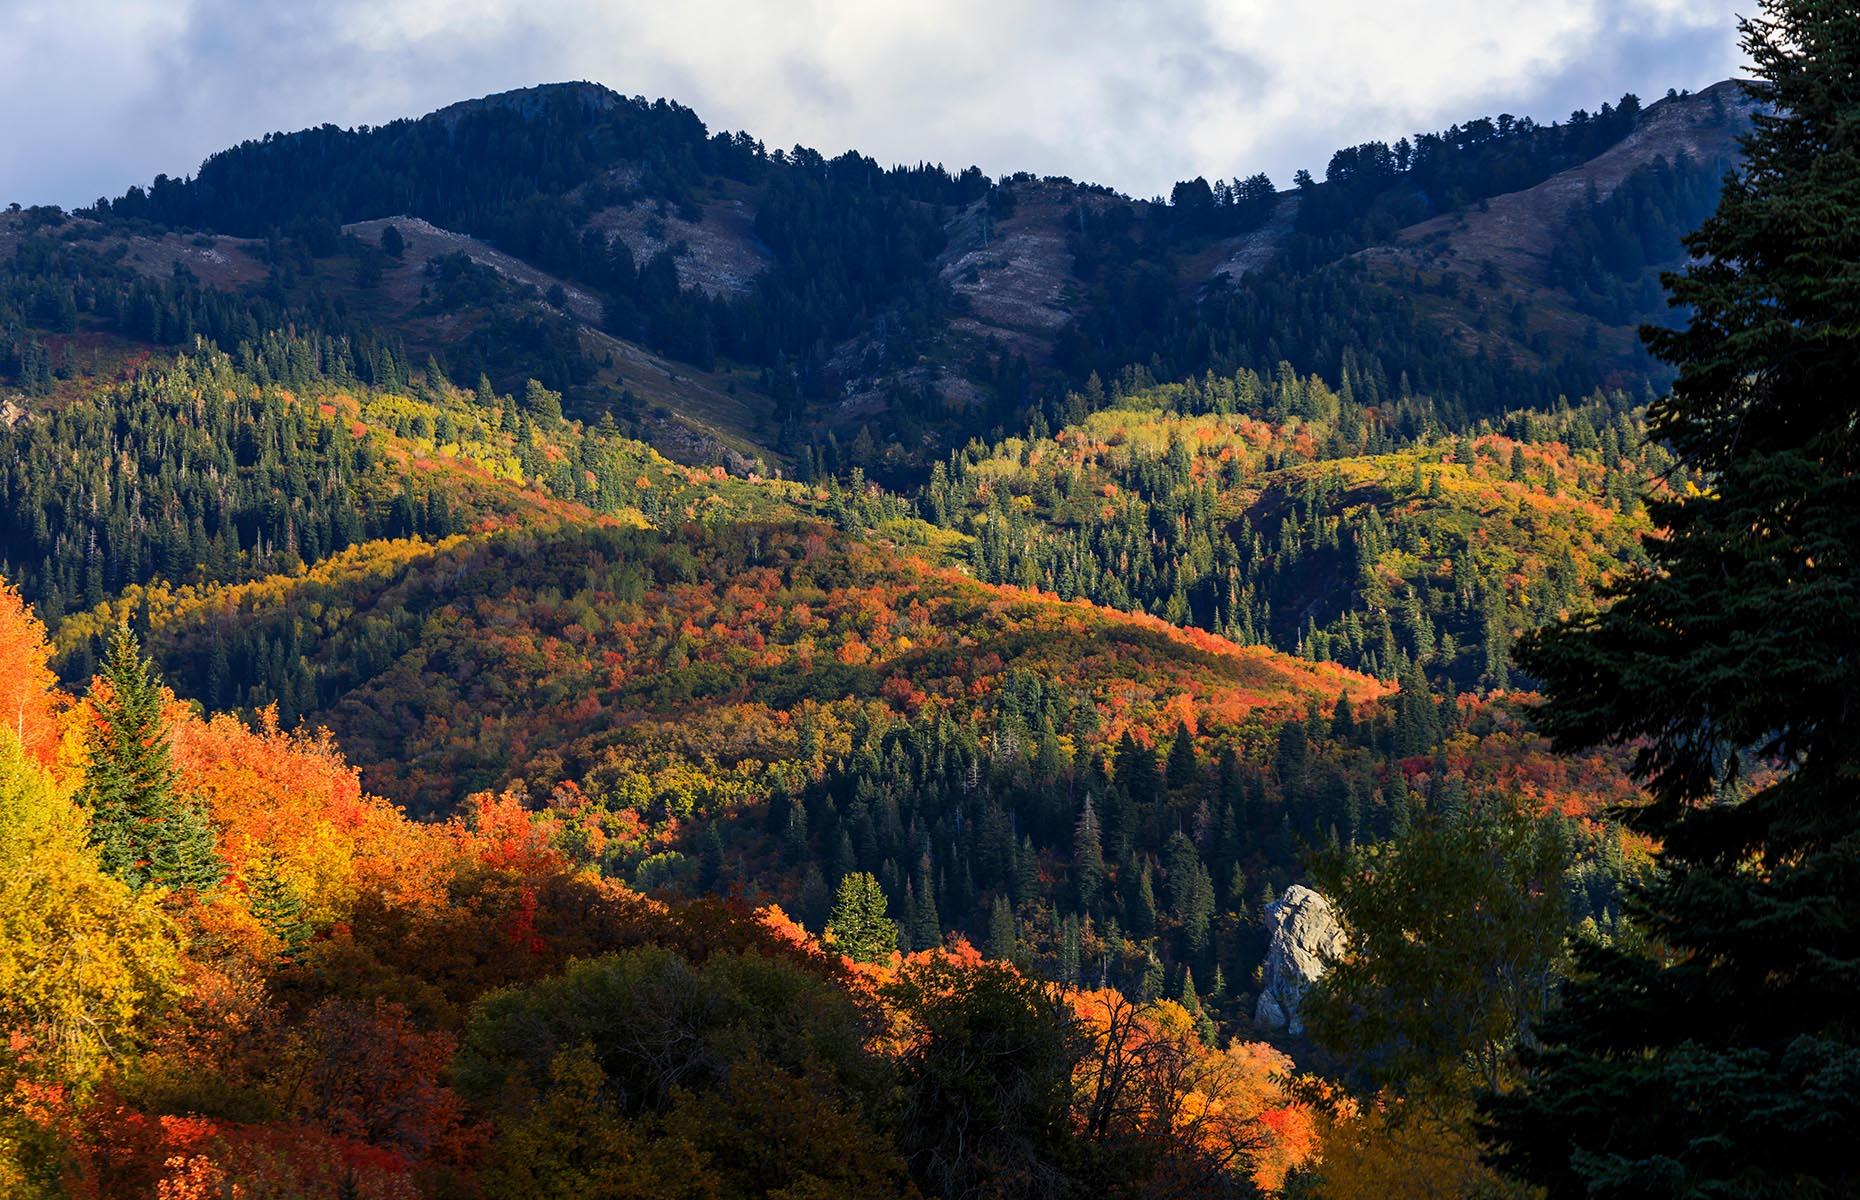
x,y
527,101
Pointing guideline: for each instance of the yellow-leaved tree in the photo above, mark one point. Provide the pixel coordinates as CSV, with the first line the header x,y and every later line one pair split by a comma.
x,y
85,963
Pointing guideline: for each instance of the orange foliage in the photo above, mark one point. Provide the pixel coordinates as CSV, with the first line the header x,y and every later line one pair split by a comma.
x,y
1150,1076
295,795
29,702
497,832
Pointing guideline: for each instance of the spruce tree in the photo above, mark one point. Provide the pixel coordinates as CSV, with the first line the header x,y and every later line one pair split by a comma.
x,y
1191,1004
144,832
1087,858
1002,942
1070,952
1182,770
274,903
184,854
1154,978
926,927
1723,1060
1140,898
860,928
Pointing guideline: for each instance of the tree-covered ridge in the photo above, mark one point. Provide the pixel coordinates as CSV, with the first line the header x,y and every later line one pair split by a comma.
x,y
540,653
466,166
851,293
207,468
343,1002
773,708
1604,259
529,171
1277,511
1376,260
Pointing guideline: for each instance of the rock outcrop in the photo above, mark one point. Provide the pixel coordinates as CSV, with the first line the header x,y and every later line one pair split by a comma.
x,y
1304,939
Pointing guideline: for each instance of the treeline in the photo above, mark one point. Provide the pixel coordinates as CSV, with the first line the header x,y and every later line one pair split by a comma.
x,y
1139,315
1373,189
853,249
474,167
526,172
192,472
1312,303
58,284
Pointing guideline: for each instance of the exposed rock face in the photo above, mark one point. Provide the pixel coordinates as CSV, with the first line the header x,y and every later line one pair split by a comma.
x,y
1304,937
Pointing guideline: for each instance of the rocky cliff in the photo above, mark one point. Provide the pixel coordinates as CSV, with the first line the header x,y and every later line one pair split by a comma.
x,y
1304,939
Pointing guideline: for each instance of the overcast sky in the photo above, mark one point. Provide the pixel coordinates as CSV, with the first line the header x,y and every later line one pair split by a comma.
x,y
1132,93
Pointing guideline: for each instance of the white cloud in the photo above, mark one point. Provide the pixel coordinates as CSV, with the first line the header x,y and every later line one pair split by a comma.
x,y
100,95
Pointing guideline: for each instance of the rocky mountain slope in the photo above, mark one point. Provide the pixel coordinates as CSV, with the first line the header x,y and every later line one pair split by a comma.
x,y
732,304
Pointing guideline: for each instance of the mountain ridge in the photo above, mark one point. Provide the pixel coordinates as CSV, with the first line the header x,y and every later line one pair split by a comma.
x,y
1016,289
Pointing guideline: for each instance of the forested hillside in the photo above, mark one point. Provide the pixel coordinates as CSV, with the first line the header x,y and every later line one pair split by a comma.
x,y
756,688
690,684
548,651
721,297
1274,510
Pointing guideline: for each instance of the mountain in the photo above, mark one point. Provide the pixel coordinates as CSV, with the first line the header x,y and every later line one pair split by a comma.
x,y
1581,251
729,302
560,583
407,480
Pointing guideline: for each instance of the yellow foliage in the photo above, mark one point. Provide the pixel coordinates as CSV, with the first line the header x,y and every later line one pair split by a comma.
x,y
84,962
1422,1148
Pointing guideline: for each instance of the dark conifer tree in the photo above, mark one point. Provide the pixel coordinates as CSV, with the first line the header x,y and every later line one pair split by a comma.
x,y
1722,1061
1181,771
1087,858
144,832
185,852
274,903
1001,939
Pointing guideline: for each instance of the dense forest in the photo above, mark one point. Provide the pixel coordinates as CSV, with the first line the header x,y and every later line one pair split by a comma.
x,y
240,468
853,291
1322,729
1274,510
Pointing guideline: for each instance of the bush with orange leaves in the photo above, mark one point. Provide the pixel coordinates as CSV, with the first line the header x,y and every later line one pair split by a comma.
x,y
1014,1087
1148,1079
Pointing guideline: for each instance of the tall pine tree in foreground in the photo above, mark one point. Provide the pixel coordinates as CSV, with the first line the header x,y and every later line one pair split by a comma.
x,y
145,833
1724,1060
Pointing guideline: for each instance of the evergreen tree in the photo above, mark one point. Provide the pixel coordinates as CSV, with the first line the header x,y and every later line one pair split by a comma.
x,y
926,928
1181,771
274,903
1723,1062
1001,940
815,901
1497,637
1151,987
144,832
860,928
1087,858
1190,892
1139,898
1343,720
1191,1004
1069,950
185,854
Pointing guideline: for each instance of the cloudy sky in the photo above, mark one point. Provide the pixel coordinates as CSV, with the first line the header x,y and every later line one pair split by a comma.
x,y
1134,93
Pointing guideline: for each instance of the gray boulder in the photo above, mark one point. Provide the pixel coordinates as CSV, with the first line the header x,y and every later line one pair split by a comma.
x,y
1304,939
